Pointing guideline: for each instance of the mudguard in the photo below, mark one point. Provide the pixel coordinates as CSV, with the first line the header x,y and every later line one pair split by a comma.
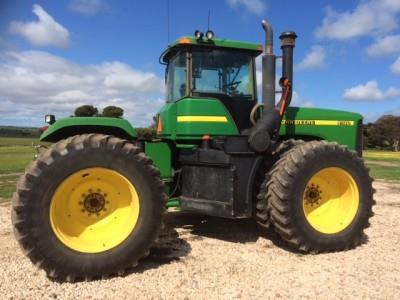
x,y
64,128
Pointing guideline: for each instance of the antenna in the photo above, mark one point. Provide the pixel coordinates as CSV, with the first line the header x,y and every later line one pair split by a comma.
x,y
208,23
168,29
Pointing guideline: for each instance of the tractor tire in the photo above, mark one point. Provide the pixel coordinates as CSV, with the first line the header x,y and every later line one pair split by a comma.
x,y
320,196
262,208
88,208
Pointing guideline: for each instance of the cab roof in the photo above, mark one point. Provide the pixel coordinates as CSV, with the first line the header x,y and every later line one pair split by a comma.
x,y
215,42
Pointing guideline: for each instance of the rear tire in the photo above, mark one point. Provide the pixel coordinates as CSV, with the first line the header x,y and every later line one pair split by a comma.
x,y
321,197
262,209
89,207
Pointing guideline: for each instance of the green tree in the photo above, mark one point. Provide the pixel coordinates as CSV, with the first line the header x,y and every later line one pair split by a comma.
x,y
86,111
385,133
112,112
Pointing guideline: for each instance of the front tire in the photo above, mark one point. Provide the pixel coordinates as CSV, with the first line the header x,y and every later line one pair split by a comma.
x,y
321,197
89,207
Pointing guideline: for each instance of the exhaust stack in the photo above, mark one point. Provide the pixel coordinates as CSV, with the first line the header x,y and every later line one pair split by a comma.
x,y
267,127
268,68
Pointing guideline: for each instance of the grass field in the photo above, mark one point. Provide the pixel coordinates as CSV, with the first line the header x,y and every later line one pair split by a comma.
x,y
17,153
383,164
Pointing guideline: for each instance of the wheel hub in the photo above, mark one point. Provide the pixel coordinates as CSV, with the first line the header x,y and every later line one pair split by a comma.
x,y
313,194
94,203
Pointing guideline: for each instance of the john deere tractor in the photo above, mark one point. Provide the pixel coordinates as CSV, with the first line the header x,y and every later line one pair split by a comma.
x,y
92,204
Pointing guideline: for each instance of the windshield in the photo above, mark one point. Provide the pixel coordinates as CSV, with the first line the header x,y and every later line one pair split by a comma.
x,y
224,72
214,73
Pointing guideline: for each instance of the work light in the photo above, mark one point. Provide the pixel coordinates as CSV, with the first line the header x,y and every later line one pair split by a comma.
x,y
198,34
210,35
50,119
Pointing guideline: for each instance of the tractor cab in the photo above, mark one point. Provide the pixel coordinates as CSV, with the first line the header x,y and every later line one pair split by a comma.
x,y
215,69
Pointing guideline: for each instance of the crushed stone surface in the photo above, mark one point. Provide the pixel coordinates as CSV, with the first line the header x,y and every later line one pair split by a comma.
x,y
209,258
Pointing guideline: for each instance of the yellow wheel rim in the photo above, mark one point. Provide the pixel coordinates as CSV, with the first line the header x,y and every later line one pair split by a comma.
x,y
331,200
94,210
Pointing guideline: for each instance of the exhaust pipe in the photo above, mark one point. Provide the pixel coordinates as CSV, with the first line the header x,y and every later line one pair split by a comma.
x,y
268,68
267,128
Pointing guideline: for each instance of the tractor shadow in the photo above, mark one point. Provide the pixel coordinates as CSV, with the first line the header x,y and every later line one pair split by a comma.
x,y
229,230
168,248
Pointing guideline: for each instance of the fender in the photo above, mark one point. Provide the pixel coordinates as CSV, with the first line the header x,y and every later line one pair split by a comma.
x,y
64,128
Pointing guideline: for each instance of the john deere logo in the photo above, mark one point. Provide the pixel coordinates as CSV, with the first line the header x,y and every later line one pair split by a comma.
x,y
318,122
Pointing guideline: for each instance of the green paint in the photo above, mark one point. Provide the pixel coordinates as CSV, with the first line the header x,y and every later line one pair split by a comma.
x,y
195,130
345,135
87,123
160,153
173,202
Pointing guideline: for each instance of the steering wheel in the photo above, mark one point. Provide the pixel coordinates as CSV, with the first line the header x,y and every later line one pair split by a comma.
x,y
253,113
232,85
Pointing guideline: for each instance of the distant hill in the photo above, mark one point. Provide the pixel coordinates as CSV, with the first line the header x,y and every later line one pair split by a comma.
x,y
15,131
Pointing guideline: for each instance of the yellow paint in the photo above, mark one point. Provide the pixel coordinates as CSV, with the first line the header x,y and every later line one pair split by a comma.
x,y
318,122
87,232
217,119
339,201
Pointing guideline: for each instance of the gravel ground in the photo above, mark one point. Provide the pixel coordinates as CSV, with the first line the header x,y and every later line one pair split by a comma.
x,y
209,258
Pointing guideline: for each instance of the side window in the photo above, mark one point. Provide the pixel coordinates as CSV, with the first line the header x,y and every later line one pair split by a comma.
x,y
176,77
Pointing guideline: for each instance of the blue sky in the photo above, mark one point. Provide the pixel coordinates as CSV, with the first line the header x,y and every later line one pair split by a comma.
x,y
56,55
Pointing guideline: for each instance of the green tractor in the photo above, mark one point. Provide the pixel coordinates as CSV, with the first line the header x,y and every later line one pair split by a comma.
x,y
92,205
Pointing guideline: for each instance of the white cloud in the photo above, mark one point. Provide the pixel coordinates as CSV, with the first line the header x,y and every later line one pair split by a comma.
x,y
395,67
43,32
6,45
385,46
299,101
370,92
368,18
88,7
314,59
33,83
256,7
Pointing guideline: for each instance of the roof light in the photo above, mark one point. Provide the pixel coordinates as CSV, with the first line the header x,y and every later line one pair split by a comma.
x,y
210,35
50,119
198,34
185,40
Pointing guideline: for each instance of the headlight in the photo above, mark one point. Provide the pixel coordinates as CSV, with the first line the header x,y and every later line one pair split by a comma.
x,y
210,35
198,34
50,119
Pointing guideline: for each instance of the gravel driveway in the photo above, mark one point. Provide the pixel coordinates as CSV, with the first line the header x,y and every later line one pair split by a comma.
x,y
209,258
